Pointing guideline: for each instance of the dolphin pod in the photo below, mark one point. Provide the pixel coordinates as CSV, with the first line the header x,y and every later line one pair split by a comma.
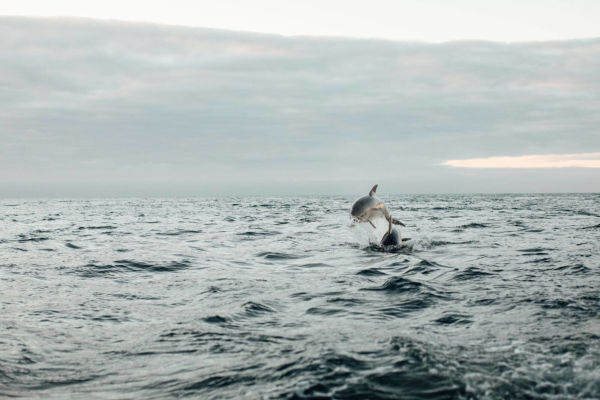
x,y
369,207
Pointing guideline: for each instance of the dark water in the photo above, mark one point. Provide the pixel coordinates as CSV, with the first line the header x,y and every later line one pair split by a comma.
x,y
280,298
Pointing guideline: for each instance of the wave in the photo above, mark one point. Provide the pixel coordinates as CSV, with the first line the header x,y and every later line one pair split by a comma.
x,y
22,238
271,255
124,266
370,272
471,273
473,225
252,234
179,232
253,309
454,319
400,284
95,227
535,251
216,319
579,268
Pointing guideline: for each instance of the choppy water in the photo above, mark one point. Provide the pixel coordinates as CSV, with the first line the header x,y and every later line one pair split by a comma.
x,y
280,298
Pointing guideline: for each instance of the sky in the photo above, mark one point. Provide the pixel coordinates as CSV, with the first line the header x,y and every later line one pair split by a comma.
x,y
406,20
96,107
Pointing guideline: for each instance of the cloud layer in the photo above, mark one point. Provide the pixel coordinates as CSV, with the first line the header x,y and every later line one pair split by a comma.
x,y
580,160
119,105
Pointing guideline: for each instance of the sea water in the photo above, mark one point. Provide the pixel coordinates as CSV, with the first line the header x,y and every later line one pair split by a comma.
x,y
281,298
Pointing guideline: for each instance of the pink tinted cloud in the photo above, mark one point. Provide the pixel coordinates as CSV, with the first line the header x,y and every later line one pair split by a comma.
x,y
577,160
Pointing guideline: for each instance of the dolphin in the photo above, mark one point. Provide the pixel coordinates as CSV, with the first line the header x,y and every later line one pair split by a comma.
x,y
392,241
368,207
391,238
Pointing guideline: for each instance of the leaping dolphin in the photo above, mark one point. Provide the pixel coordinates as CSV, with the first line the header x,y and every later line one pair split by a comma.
x,y
369,207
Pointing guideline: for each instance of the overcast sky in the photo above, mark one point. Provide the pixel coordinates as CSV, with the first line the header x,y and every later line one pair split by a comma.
x,y
412,20
92,107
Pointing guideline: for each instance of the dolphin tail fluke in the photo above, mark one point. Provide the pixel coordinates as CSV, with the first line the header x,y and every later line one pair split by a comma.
x,y
373,190
396,222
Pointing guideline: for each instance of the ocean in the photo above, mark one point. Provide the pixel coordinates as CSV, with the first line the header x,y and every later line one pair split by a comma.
x,y
283,298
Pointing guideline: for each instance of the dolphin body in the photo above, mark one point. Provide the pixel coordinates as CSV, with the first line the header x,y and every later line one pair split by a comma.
x,y
368,207
393,242
391,238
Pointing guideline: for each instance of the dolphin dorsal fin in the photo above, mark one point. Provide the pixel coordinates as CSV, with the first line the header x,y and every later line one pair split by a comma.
x,y
373,191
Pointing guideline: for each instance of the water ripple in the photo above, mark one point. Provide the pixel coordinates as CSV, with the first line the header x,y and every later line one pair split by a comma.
x,y
279,298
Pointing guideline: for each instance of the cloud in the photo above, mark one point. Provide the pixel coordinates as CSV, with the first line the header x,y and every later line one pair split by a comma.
x,y
580,160
114,103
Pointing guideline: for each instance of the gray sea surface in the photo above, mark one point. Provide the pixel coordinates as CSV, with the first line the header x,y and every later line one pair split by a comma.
x,y
282,298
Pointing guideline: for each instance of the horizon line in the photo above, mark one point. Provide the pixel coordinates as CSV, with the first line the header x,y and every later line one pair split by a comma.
x,y
124,197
